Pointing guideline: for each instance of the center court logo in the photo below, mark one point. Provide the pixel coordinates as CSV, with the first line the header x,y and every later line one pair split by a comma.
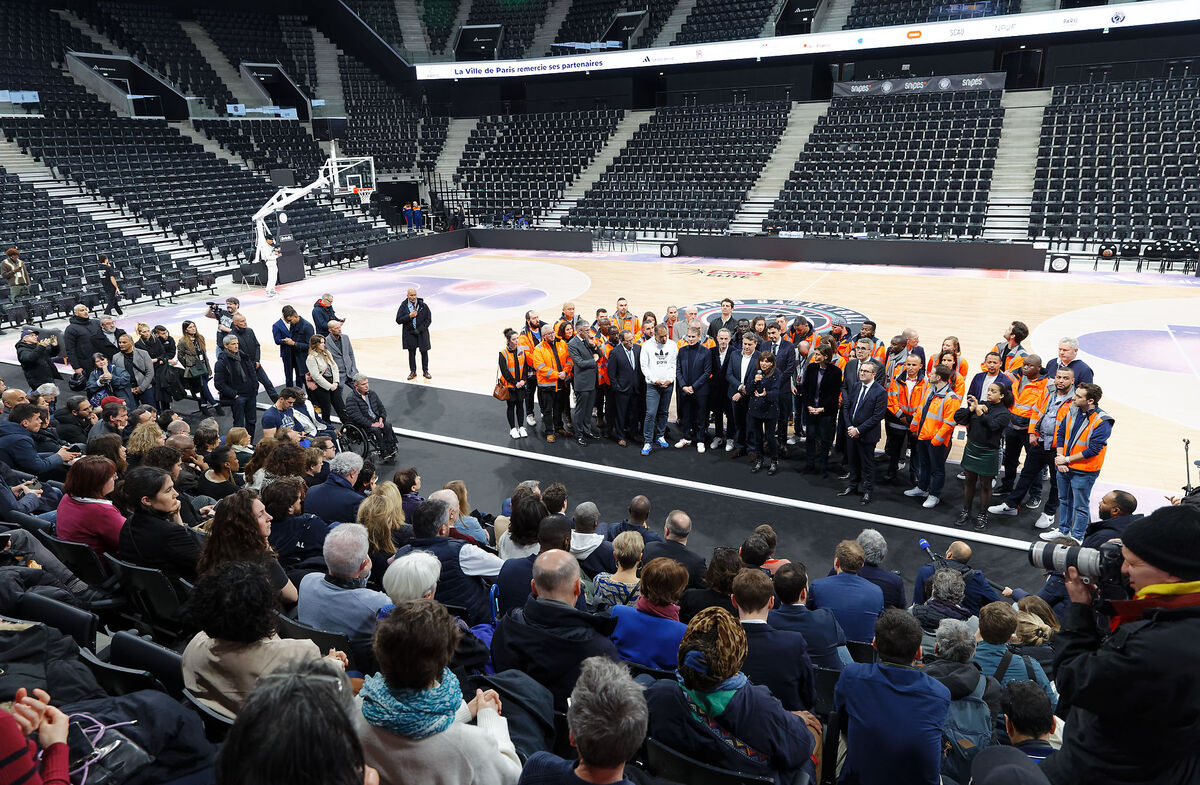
x,y
819,314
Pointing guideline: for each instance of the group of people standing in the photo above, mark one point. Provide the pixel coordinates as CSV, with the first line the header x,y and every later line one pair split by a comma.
x,y
843,394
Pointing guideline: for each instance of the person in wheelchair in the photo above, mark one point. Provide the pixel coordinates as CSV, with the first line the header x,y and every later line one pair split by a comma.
x,y
364,409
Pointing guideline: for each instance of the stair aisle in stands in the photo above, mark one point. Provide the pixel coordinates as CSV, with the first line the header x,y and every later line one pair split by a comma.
x,y
89,31
229,75
768,28
1012,183
458,133
674,22
329,78
762,196
832,16
416,40
544,36
625,130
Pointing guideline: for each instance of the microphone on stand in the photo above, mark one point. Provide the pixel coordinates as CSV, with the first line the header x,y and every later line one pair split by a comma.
x,y
924,544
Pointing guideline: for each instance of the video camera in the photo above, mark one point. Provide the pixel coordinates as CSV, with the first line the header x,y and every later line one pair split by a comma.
x,y
1100,565
215,310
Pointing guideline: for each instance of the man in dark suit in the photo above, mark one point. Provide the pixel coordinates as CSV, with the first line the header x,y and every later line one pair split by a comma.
x,y
993,372
776,659
583,354
863,411
859,354
674,546
513,582
785,365
855,601
738,379
624,376
718,397
824,636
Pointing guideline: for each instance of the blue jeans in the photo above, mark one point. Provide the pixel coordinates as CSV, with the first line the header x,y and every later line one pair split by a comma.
x,y
1074,500
931,467
658,401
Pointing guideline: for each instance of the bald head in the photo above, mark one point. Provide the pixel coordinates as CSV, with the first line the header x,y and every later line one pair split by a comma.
x,y
182,442
639,510
959,551
14,397
450,499
556,576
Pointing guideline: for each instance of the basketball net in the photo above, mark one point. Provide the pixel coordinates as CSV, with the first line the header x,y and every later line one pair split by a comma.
x,y
364,194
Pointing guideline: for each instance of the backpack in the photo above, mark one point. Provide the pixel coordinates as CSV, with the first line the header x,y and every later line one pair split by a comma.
x,y
967,730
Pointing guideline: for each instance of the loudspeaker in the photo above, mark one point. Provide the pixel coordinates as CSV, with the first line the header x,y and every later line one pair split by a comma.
x,y
1060,263
667,250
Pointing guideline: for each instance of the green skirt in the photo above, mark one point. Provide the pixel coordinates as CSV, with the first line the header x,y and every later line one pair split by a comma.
x,y
984,461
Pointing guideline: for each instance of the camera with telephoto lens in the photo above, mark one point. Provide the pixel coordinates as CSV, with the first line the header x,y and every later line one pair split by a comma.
x,y
215,309
1095,565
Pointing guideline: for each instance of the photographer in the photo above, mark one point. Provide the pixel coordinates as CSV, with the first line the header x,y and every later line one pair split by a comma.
x,y
36,355
1135,694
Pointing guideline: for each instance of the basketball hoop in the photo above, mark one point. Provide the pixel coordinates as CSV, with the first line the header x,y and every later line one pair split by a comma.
x,y
364,194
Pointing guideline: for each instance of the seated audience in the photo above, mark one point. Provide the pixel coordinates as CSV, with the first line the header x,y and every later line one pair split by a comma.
x,y
296,536
754,553
622,586
513,584
649,633
239,532
767,532
520,539
339,601
945,601
144,437
854,600
110,446
1028,719
383,516
549,637
776,659
465,522
286,460
366,478
895,711
415,726
958,555
713,702
239,439
335,500
296,728
1032,639
639,513
823,636
409,482
874,552
86,513
154,535
676,530
220,479
234,607
74,420
718,578
191,509
952,665
606,719
255,471
464,566
25,761
592,550
17,446
997,624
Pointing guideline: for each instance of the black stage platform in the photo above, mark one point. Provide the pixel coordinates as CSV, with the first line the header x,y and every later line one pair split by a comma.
x,y
449,435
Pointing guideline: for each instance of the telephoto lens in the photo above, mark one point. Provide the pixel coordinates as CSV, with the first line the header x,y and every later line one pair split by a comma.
x,y
1102,564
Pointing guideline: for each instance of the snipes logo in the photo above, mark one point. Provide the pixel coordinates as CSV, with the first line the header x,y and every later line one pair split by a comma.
x,y
913,34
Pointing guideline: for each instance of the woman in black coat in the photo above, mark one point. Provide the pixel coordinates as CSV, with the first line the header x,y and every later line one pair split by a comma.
x,y
819,397
161,348
414,318
762,417
985,423
154,535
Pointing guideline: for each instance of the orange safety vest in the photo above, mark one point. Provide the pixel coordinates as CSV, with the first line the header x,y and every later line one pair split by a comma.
x,y
529,339
630,323
1074,445
561,320
845,349
516,366
565,361
1027,394
1048,396
602,364
547,363
900,401
1014,360
935,421
963,369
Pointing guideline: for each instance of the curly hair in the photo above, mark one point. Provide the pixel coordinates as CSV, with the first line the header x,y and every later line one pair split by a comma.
x,y
234,602
721,641
724,567
280,495
144,437
286,460
234,534
262,451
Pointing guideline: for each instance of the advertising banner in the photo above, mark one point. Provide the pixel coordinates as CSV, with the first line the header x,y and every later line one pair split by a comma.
x,y
922,84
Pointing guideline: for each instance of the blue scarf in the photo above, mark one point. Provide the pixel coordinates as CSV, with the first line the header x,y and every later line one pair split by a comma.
x,y
413,714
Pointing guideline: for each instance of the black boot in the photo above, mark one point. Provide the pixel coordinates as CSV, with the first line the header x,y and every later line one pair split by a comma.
x,y
774,468
757,466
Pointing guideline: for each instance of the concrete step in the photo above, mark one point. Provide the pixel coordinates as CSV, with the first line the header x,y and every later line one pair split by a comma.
x,y
416,41
212,146
1016,154
802,119
329,76
227,71
547,31
107,43
674,23
832,16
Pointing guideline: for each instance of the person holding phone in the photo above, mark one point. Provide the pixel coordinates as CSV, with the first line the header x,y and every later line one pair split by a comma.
x,y
985,423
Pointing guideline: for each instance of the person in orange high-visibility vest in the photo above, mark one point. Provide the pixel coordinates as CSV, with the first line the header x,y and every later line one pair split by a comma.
x,y
649,322
566,317
548,366
905,393
514,372
1028,387
951,344
1080,441
933,423
878,348
843,344
624,320
1011,352
530,337
562,397
604,342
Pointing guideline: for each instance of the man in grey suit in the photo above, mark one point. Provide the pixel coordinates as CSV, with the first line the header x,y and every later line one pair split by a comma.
x,y
583,354
341,350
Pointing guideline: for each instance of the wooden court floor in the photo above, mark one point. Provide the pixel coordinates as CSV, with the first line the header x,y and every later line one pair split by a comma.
x,y
1141,333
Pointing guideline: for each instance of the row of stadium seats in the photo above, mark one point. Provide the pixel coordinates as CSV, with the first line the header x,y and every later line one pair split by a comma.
x,y
381,122
724,20
381,16
881,13
255,37
267,144
520,21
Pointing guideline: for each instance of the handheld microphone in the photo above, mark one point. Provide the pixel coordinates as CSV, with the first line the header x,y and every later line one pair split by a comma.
x,y
924,545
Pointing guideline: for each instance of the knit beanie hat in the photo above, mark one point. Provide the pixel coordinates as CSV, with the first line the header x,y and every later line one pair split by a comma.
x,y
1169,539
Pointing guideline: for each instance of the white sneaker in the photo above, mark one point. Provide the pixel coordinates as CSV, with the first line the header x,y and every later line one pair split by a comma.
x,y
792,441
930,502
729,445
716,443
646,448
513,432
1050,534
996,483
700,447
962,475
530,420
914,492
1003,509
679,445
523,433
1044,522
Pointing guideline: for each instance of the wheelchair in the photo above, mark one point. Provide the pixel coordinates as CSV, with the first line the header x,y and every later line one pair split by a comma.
x,y
360,441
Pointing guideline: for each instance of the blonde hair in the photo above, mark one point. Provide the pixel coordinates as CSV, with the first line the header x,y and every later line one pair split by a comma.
x,y
1031,630
460,490
144,436
392,491
237,436
381,515
627,548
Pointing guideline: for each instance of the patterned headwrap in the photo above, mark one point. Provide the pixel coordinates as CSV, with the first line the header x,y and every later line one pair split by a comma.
x,y
712,650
